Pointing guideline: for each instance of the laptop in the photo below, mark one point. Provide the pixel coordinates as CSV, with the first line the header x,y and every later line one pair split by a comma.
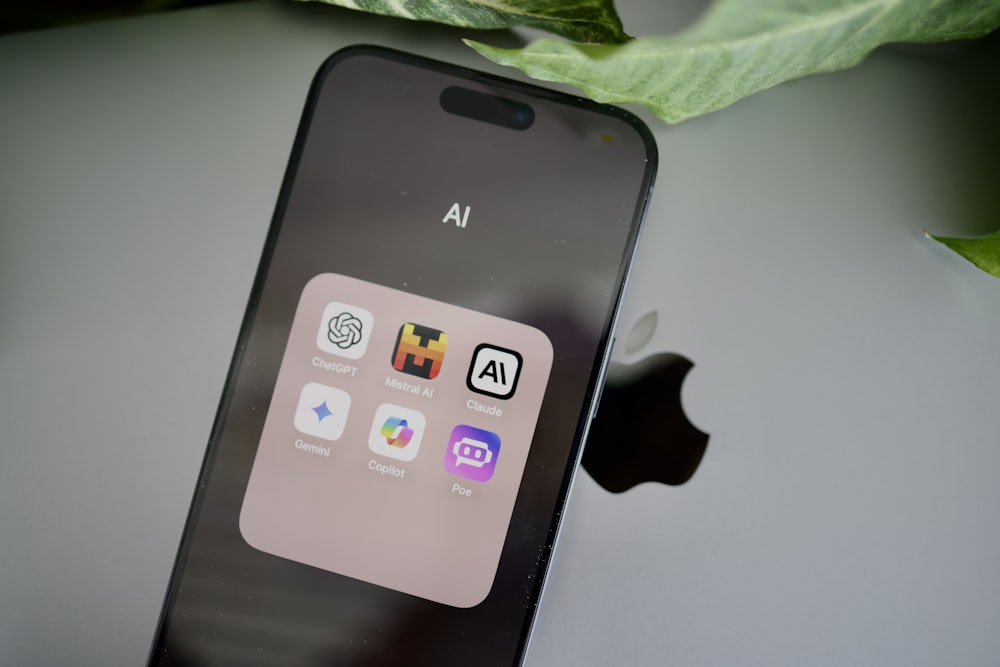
x,y
841,367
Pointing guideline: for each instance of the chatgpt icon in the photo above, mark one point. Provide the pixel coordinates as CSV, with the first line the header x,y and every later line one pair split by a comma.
x,y
344,330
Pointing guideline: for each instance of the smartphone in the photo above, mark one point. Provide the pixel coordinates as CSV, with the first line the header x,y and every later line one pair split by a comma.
x,y
419,362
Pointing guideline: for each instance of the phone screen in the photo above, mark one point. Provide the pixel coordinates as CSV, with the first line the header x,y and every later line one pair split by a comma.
x,y
414,375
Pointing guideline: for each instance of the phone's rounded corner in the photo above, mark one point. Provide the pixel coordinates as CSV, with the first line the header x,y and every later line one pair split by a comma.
x,y
645,135
337,57
349,52
636,124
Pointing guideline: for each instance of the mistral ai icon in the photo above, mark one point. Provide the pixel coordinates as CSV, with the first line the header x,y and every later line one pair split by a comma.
x,y
344,330
419,350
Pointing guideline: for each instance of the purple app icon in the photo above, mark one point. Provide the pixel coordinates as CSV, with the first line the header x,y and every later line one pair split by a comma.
x,y
472,453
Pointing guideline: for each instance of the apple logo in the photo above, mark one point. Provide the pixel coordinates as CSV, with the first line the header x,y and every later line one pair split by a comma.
x,y
640,433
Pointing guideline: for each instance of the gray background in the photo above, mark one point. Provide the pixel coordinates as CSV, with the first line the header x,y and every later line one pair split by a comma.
x,y
846,367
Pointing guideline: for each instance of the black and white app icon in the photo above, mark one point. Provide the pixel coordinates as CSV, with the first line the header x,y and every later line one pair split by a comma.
x,y
344,330
494,371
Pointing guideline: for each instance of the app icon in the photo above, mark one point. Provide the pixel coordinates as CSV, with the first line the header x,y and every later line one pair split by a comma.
x,y
344,330
494,371
396,432
472,453
419,350
322,411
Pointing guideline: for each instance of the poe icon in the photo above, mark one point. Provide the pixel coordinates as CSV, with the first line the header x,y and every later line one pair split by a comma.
x,y
472,453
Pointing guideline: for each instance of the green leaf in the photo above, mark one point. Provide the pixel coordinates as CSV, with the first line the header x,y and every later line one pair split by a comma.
x,y
984,251
741,47
579,20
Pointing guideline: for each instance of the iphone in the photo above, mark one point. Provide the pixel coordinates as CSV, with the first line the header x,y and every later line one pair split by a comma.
x,y
420,359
